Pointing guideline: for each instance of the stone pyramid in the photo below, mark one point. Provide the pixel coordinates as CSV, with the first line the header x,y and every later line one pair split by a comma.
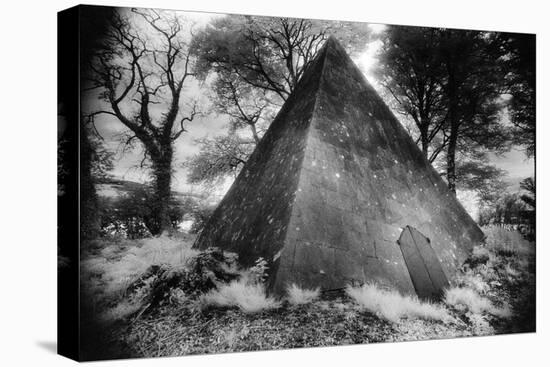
x,y
330,189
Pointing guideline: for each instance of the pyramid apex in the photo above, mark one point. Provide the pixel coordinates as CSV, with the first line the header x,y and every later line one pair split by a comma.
x,y
332,41
334,47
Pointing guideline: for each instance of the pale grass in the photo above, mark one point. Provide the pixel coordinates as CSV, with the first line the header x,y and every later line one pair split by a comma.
x,y
482,252
511,272
117,268
466,298
480,326
301,296
248,297
473,281
500,239
120,311
393,306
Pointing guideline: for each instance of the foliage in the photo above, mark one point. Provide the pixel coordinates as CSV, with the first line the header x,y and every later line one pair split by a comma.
x,y
248,297
258,272
218,157
201,215
480,256
132,214
413,74
509,209
247,292
270,54
125,217
301,296
95,163
477,174
528,185
496,284
245,105
392,306
131,279
473,87
470,300
473,281
121,311
450,83
503,242
109,267
256,63
520,64
162,284
493,273
211,268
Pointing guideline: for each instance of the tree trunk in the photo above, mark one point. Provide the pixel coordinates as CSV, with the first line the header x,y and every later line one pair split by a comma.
x,y
424,141
451,160
162,172
454,122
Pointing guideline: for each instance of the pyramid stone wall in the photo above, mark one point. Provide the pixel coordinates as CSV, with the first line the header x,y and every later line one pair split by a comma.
x,y
331,186
253,216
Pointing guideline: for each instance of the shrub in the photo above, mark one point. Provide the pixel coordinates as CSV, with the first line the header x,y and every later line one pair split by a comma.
x,y
175,284
211,267
467,299
131,214
250,298
257,273
507,243
511,273
392,306
300,296
111,269
479,324
480,256
120,311
201,215
473,281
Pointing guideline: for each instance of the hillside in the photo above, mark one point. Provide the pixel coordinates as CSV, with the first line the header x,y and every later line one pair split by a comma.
x,y
112,187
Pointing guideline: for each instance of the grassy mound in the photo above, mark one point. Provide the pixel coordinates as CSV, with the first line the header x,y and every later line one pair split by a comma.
x,y
159,297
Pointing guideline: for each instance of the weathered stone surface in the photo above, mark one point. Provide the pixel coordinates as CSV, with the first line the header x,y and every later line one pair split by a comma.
x,y
330,187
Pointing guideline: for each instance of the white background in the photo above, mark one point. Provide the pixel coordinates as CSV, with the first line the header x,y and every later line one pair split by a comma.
x,y
28,181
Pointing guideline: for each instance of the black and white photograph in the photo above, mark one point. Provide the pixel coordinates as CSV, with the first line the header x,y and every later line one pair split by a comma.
x,y
233,183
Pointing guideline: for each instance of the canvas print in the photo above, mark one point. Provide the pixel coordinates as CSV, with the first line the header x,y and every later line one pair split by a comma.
x,y
234,183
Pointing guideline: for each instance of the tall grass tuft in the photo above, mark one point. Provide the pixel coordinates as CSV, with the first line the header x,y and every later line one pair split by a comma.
x,y
248,297
392,306
301,296
468,299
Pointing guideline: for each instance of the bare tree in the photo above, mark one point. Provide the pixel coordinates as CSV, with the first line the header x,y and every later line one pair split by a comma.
x,y
141,79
